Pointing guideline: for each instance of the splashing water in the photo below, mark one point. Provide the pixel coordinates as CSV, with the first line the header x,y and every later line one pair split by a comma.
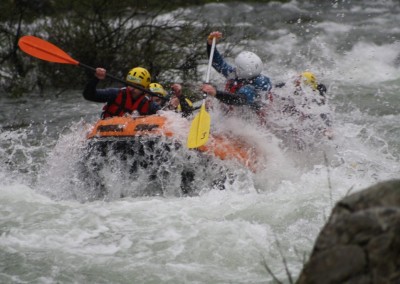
x,y
50,232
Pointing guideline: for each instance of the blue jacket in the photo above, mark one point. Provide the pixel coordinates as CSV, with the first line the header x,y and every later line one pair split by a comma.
x,y
247,91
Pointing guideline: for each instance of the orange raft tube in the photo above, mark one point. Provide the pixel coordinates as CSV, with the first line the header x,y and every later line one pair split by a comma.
x,y
223,147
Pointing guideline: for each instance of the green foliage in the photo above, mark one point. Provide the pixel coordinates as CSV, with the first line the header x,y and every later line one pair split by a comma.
x,y
99,33
116,35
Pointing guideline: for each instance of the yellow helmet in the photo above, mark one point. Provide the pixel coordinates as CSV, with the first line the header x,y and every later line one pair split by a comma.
x,y
309,79
139,76
158,89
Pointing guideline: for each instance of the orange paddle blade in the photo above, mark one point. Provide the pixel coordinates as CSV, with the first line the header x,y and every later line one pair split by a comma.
x,y
44,50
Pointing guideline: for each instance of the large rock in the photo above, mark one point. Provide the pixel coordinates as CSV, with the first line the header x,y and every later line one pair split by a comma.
x,y
361,241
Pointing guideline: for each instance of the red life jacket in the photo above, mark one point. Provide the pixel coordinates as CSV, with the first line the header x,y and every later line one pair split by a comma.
x,y
124,103
232,86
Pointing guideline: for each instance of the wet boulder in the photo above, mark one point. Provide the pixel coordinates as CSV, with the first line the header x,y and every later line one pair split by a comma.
x,y
361,241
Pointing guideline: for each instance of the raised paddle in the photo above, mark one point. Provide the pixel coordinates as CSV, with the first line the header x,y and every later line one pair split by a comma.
x,y
200,127
47,51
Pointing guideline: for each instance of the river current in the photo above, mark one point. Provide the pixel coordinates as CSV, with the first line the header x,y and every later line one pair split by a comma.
x,y
49,233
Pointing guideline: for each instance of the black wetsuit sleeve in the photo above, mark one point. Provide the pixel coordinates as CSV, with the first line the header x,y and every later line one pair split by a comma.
x,y
280,85
91,93
153,108
231,99
322,89
185,107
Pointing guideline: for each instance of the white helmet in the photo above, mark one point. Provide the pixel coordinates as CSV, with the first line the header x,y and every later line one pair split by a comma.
x,y
248,65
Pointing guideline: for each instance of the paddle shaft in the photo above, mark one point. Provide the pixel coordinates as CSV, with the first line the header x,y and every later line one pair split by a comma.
x,y
214,41
47,51
200,127
108,75
122,81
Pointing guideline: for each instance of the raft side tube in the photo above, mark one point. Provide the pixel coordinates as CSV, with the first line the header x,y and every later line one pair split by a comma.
x,y
130,126
127,127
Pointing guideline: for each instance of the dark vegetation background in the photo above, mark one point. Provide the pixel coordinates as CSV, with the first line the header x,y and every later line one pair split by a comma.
x,y
116,35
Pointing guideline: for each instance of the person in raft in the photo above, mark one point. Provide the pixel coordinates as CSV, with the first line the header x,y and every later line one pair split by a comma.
x,y
305,80
158,89
308,78
308,94
174,99
245,84
179,102
126,100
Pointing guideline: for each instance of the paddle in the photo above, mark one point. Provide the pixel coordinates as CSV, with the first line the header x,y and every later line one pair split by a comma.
x,y
200,127
47,51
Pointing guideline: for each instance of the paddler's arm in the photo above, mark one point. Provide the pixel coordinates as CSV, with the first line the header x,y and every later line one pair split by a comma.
x,y
154,107
225,97
231,99
218,62
91,93
321,89
185,107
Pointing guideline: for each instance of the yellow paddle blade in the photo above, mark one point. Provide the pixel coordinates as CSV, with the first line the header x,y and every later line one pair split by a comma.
x,y
200,129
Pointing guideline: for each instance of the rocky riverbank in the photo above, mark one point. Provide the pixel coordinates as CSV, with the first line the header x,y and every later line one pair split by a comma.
x,y
361,241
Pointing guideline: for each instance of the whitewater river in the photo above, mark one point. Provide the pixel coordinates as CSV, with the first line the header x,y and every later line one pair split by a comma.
x,y
49,232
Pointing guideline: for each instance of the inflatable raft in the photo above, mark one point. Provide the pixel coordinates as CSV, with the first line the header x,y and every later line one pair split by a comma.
x,y
155,126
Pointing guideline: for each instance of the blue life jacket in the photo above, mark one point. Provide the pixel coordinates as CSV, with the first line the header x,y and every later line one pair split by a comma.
x,y
250,88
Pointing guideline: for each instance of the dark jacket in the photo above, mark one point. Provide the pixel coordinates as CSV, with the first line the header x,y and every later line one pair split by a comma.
x,y
108,95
